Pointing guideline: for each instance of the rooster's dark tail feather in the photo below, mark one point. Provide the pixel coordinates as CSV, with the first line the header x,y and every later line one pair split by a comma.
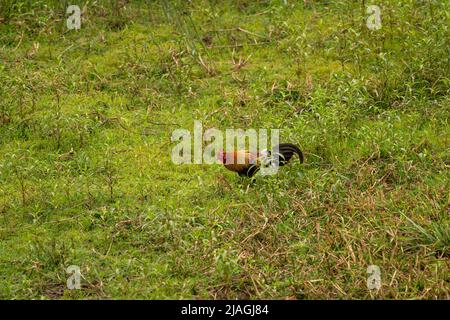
x,y
286,151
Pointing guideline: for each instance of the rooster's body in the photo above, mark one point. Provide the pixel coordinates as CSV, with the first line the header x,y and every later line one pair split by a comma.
x,y
247,163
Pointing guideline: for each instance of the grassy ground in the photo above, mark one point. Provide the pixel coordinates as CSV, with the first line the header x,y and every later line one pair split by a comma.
x,y
369,108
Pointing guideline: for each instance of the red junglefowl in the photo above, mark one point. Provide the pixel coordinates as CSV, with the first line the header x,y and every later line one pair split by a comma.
x,y
252,161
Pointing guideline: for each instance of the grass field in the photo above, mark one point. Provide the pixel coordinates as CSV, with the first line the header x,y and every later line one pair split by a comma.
x,y
86,176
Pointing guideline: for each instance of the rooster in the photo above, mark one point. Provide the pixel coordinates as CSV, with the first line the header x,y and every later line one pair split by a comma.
x,y
253,161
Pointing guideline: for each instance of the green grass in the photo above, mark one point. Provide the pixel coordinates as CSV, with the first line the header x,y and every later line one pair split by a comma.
x,y
370,109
